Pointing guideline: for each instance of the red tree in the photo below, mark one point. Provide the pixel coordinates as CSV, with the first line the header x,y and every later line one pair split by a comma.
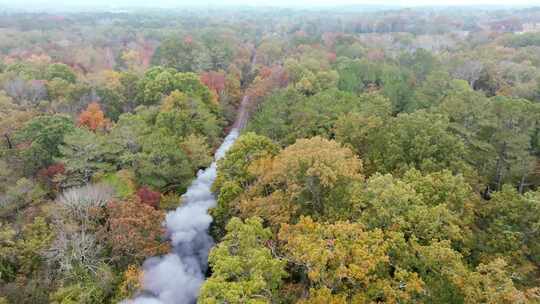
x,y
149,197
47,175
269,78
93,118
134,231
215,81
331,57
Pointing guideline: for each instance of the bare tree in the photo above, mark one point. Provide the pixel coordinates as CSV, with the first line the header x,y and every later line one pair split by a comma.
x,y
77,203
72,249
76,245
27,93
469,70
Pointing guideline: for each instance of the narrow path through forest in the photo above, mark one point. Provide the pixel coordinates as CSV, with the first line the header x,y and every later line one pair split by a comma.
x,y
177,277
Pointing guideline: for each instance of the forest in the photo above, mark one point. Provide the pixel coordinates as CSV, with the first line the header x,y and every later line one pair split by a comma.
x,y
388,156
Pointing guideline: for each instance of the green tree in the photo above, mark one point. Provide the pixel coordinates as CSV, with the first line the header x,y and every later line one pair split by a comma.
x,y
8,253
492,283
356,128
435,89
156,83
288,115
85,153
112,101
27,278
514,122
42,137
35,239
220,49
234,175
161,163
508,229
421,62
499,135
431,207
366,72
182,115
197,150
159,82
418,140
89,288
244,270
274,120
185,55
61,71
12,118
397,86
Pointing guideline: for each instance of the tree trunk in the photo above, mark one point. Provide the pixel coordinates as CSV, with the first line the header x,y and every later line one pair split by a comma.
x,y
486,193
522,183
500,161
8,141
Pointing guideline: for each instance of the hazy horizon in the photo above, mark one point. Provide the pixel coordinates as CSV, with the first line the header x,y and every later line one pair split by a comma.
x,y
59,4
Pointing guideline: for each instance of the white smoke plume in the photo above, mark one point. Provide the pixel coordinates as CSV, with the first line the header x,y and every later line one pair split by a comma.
x,y
176,277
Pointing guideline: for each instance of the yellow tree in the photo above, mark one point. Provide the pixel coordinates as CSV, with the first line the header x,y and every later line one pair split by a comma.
x,y
131,283
311,177
430,207
492,284
352,263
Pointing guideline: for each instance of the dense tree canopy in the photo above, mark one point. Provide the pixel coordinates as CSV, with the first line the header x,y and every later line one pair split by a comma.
x,y
244,271
384,155
311,177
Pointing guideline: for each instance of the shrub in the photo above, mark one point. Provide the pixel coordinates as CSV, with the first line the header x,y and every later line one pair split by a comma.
x,y
23,193
170,201
122,182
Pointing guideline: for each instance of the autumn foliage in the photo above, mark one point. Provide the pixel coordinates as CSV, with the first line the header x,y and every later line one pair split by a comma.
x,y
149,197
134,231
52,170
215,81
131,283
269,78
93,117
47,175
343,256
307,178
383,156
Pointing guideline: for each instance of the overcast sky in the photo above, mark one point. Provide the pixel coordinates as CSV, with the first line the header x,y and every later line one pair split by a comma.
x,y
295,3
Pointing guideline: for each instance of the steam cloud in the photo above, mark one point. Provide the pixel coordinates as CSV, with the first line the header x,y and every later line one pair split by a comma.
x,y
176,277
